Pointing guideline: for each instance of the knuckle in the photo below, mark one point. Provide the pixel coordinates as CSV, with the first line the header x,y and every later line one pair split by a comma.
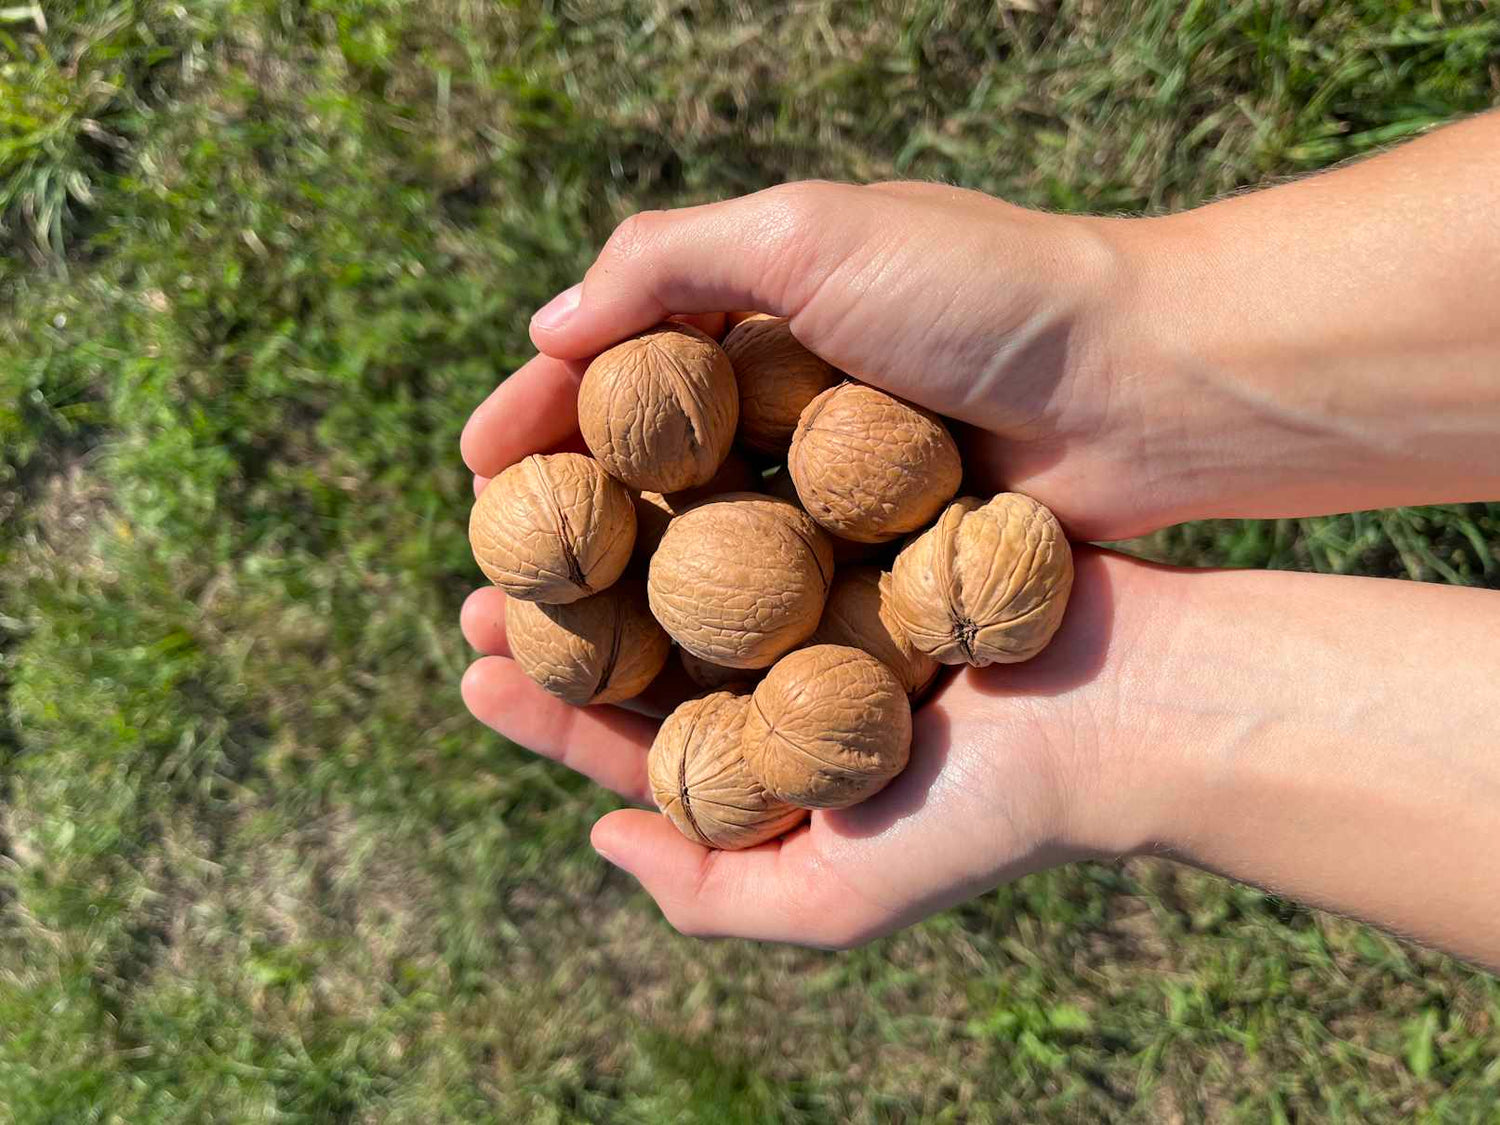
x,y
791,211
634,236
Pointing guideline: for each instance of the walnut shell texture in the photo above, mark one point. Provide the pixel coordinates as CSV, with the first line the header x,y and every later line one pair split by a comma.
x,y
553,528
659,410
740,579
701,783
987,584
870,467
602,649
777,378
828,727
846,552
858,615
653,510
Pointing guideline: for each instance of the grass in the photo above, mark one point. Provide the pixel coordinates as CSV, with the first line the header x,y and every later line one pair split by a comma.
x,y
261,258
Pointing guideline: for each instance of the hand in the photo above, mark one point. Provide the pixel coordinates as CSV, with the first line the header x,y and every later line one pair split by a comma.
x,y
1332,738
1002,781
998,317
1263,356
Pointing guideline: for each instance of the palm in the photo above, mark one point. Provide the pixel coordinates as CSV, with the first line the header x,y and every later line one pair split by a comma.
x,y
979,804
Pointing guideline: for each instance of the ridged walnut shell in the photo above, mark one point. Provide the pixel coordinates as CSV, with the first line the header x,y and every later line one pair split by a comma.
x,y
659,410
828,727
602,649
858,614
553,528
870,467
740,579
846,552
653,510
986,584
777,377
701,783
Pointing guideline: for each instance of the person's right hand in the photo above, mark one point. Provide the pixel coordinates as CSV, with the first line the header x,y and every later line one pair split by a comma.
x,y
996,316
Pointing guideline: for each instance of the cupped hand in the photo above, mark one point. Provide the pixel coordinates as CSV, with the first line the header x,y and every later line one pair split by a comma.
x,y
1013,322
1008,775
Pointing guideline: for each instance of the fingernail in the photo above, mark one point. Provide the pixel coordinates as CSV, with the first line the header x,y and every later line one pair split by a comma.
x,y
554,314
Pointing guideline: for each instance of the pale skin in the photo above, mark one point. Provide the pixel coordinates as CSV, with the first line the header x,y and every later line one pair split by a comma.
x,y
1327,345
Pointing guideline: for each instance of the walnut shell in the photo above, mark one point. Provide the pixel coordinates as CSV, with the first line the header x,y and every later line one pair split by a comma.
x,y
828,726
653,510
602,649
715,677
870,467
732,319
858,615
846,552
986,584
659,410
777,377
553,528
740,579
700,781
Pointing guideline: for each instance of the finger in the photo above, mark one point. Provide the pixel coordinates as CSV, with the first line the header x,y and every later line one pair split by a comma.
x,y
533,410
482,621
605,744
771,251
780,891
480,484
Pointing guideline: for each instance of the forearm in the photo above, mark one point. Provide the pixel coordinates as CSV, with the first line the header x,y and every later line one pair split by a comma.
x,y
1336,740
1329,344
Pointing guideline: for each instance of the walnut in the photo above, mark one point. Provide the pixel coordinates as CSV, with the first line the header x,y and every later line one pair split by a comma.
x,y
828,726
858,614
986,584
846,552
553,528
602,649
659,410
871,467
777,377
653,511
699,779
740,579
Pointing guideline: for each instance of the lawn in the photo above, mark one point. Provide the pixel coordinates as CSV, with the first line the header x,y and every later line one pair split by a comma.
x,y
260,259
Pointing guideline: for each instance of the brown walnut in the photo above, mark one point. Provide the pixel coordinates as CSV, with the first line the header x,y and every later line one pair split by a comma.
x,y
858,614
653,510
777,378
553,528
659,410
870,467
740,579
602,649
986,584
846,552
700,781
828,726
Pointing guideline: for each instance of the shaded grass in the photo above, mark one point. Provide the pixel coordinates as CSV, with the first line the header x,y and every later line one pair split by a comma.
x,y
257,864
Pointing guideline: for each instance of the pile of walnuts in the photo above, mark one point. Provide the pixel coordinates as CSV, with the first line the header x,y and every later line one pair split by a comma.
x,y
762,568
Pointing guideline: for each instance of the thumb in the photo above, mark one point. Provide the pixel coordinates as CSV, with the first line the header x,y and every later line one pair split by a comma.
x,y
770,251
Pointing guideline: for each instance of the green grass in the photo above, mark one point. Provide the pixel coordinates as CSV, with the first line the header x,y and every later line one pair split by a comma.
x,y
260,259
